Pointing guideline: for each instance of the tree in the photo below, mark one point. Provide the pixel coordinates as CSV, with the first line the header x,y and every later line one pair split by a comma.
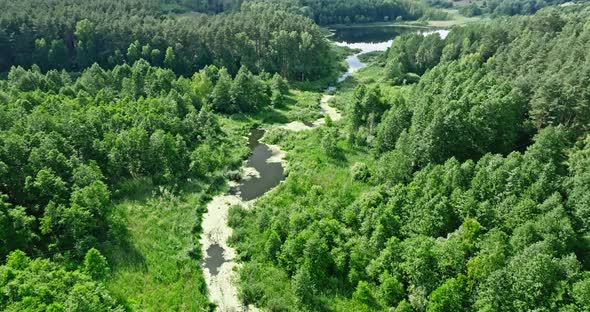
x,y
449,296
391,291
329,142
170,59
16,227
273,246
95,265
85,43
221,98
133,52
404,306
279,84
364,294
581,293
303,286
396,120
247,92
360,172
65,290
58,54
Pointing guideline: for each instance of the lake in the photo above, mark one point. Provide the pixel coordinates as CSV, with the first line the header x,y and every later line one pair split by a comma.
x,y
371,39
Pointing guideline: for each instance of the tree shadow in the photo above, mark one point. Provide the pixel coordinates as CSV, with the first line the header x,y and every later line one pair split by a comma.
x,y
120,251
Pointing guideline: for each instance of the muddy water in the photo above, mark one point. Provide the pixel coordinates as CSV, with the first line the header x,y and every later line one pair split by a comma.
x,y
267,175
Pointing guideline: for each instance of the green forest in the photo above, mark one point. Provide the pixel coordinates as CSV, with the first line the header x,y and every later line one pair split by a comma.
x,y
456,179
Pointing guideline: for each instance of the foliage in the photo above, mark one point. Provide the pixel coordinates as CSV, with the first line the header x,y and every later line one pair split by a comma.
x,y
72,35
327,12
360,172
507,7
479,190
43,285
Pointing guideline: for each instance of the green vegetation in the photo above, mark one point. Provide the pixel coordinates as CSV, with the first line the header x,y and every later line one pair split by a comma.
x,y
457,180
507,7
462,189
43,285
72,35
328,12
158,268
74,151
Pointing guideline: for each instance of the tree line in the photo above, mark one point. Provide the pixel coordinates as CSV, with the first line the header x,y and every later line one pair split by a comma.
x,y
72,35
507,7
326,12
528,66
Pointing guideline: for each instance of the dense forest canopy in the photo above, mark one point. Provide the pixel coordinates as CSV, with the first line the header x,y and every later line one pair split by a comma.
x,y
67,144
508,7
360,11
71,35
457,180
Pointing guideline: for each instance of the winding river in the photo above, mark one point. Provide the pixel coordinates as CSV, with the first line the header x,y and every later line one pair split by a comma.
x,y
264,170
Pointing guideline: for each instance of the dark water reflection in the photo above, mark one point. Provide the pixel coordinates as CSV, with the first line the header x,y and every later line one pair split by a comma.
x,y
368,35
271,174
214,259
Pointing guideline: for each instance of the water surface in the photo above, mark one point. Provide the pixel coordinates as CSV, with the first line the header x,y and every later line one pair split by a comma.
x,y
270,174
371,39
214,259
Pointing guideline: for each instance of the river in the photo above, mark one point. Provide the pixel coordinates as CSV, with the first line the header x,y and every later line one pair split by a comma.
x,y
264,170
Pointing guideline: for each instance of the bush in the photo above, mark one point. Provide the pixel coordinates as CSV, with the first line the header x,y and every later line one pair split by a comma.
x,y
360,172
236,215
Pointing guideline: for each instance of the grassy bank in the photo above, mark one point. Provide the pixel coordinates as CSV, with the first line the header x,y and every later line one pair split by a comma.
x,y
154,253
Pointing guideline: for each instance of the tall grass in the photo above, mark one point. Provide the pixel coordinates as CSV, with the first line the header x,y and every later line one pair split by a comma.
x,y
157,267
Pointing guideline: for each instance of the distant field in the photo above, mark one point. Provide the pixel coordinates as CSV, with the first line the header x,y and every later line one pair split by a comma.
x,y
455,19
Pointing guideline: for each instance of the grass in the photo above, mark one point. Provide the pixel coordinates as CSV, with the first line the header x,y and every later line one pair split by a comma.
x,y
299,105
455,20
157,268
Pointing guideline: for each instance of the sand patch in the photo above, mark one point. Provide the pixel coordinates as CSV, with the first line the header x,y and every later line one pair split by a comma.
x,y
295,126
250,173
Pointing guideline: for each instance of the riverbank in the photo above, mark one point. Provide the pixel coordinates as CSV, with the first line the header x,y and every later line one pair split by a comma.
x,y
262,172
219,262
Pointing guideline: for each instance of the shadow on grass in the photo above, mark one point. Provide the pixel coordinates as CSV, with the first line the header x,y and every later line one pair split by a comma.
x,y
338,158
120,250
268,115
